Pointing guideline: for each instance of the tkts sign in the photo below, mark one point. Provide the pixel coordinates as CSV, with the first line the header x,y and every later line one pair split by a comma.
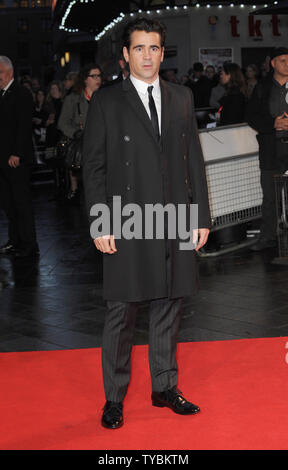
x,y
254,26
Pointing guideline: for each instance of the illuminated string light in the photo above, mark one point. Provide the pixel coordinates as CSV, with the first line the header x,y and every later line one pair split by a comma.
x,y
121,17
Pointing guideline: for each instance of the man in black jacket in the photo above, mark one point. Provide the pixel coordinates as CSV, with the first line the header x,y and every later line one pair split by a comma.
x,y
16,108
200,85
141,143
267,113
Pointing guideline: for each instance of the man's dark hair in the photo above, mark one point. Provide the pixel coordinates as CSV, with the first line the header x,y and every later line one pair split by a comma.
x,y
143,24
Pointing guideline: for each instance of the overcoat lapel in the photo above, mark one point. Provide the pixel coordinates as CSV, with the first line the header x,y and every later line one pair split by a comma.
x,y
137,105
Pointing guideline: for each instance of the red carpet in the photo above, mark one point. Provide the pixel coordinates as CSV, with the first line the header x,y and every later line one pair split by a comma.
x,y
54,400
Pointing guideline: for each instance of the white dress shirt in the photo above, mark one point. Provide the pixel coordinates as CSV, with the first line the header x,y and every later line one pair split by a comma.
x,y
142,89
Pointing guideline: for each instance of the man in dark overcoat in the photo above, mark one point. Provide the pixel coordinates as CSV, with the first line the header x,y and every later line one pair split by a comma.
x,y
16,152
141,143
267,113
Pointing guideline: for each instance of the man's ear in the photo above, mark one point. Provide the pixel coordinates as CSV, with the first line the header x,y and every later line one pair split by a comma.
x,y
125,54
162,56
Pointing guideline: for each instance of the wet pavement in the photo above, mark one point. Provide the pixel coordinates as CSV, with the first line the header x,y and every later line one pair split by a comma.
x,y
55,301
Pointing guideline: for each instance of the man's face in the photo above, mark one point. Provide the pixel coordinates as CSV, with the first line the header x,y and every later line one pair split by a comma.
x,y
145,55
280,65
6,75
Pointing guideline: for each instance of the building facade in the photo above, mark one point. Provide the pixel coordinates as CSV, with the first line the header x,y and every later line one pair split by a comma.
x,y
26,37
210,35
196,31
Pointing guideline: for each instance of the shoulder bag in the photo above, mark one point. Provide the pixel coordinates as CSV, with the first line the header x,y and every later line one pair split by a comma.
x,y
73,148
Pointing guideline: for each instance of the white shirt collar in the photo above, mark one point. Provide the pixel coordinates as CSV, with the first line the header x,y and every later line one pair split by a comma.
x,y
7,86
142,86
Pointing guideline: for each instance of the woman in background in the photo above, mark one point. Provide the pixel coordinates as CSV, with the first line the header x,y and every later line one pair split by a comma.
x,y
252,74
70,82
54,103
233,102
74,113
39,119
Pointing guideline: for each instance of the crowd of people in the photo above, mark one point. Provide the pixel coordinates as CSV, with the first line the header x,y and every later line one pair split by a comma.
x,y
61,108
59,112
226,89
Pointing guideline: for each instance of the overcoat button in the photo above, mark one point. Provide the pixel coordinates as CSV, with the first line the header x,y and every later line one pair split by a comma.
x,y
127,138
183,135
127,163
185,157
186,181
128,187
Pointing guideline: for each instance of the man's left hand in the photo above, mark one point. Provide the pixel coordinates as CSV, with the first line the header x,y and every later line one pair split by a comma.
x,y
14,161
202,235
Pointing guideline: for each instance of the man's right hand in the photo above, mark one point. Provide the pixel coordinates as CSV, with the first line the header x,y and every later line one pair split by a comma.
x,y
14,161
281,122
106,244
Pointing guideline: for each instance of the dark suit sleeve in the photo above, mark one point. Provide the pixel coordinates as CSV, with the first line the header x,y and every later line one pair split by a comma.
x,y
94,155
197,171
23,129
258,116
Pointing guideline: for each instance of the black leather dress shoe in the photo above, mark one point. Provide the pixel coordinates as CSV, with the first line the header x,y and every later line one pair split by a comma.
x,y
174,400
7,249
112,417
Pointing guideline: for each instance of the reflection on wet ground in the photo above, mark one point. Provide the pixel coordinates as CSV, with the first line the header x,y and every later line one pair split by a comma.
x,y
55,302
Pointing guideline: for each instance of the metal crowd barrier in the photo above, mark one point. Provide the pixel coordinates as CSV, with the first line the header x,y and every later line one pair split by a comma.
x,y
235,193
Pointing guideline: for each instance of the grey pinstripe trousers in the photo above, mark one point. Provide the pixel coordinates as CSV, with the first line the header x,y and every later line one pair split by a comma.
x,y
117,344
164,320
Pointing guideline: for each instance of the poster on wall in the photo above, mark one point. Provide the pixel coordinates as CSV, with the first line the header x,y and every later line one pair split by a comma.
x,y
215,56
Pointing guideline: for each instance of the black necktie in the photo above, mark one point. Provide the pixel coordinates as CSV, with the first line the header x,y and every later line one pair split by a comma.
x,y
153,111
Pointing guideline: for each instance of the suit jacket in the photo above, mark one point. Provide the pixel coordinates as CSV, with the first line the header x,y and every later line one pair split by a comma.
x,y
201,91
16,112
121,156
259,118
